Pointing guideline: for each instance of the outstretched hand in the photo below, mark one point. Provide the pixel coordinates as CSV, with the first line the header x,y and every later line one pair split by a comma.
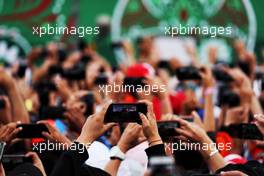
x,y
129,137
149,125
9,131
94,126
54,135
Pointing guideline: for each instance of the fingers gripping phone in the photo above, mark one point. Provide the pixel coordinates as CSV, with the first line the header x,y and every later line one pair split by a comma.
x,y
125,112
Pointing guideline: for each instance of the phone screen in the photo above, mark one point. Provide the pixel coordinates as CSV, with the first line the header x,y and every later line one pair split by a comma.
x,y
122,113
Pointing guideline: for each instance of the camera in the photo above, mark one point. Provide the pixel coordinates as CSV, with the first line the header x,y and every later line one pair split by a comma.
x,y
244,131
11,161
31,130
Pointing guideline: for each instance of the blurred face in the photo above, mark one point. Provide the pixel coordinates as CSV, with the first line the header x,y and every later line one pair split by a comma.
x,y
146,44
75,102
239,46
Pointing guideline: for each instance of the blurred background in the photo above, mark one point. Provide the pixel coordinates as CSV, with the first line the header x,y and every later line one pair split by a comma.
x,y
132,19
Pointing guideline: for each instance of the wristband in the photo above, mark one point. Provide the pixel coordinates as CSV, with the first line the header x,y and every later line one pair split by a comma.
x,y
158,140
116,153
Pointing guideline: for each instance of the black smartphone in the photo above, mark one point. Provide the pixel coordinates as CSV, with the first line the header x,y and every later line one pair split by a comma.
x,y
244,131
2,149
75,73
188,73
55,69
32,130
52,112
102,79
167,129
11,161
162,166
21,70
134,81
125,112
222,76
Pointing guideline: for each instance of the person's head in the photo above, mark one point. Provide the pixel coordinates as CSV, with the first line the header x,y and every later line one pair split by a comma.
x,y
82,100
145,44
141,71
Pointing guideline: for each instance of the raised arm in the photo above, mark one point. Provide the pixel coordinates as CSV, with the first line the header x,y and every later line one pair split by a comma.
x,y
19,112
194,133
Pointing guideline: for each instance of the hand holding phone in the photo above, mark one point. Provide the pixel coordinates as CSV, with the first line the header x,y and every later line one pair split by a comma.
x,y
31,130
167,129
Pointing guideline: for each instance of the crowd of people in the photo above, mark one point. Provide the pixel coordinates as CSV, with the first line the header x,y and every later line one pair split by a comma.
x,y
62,89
